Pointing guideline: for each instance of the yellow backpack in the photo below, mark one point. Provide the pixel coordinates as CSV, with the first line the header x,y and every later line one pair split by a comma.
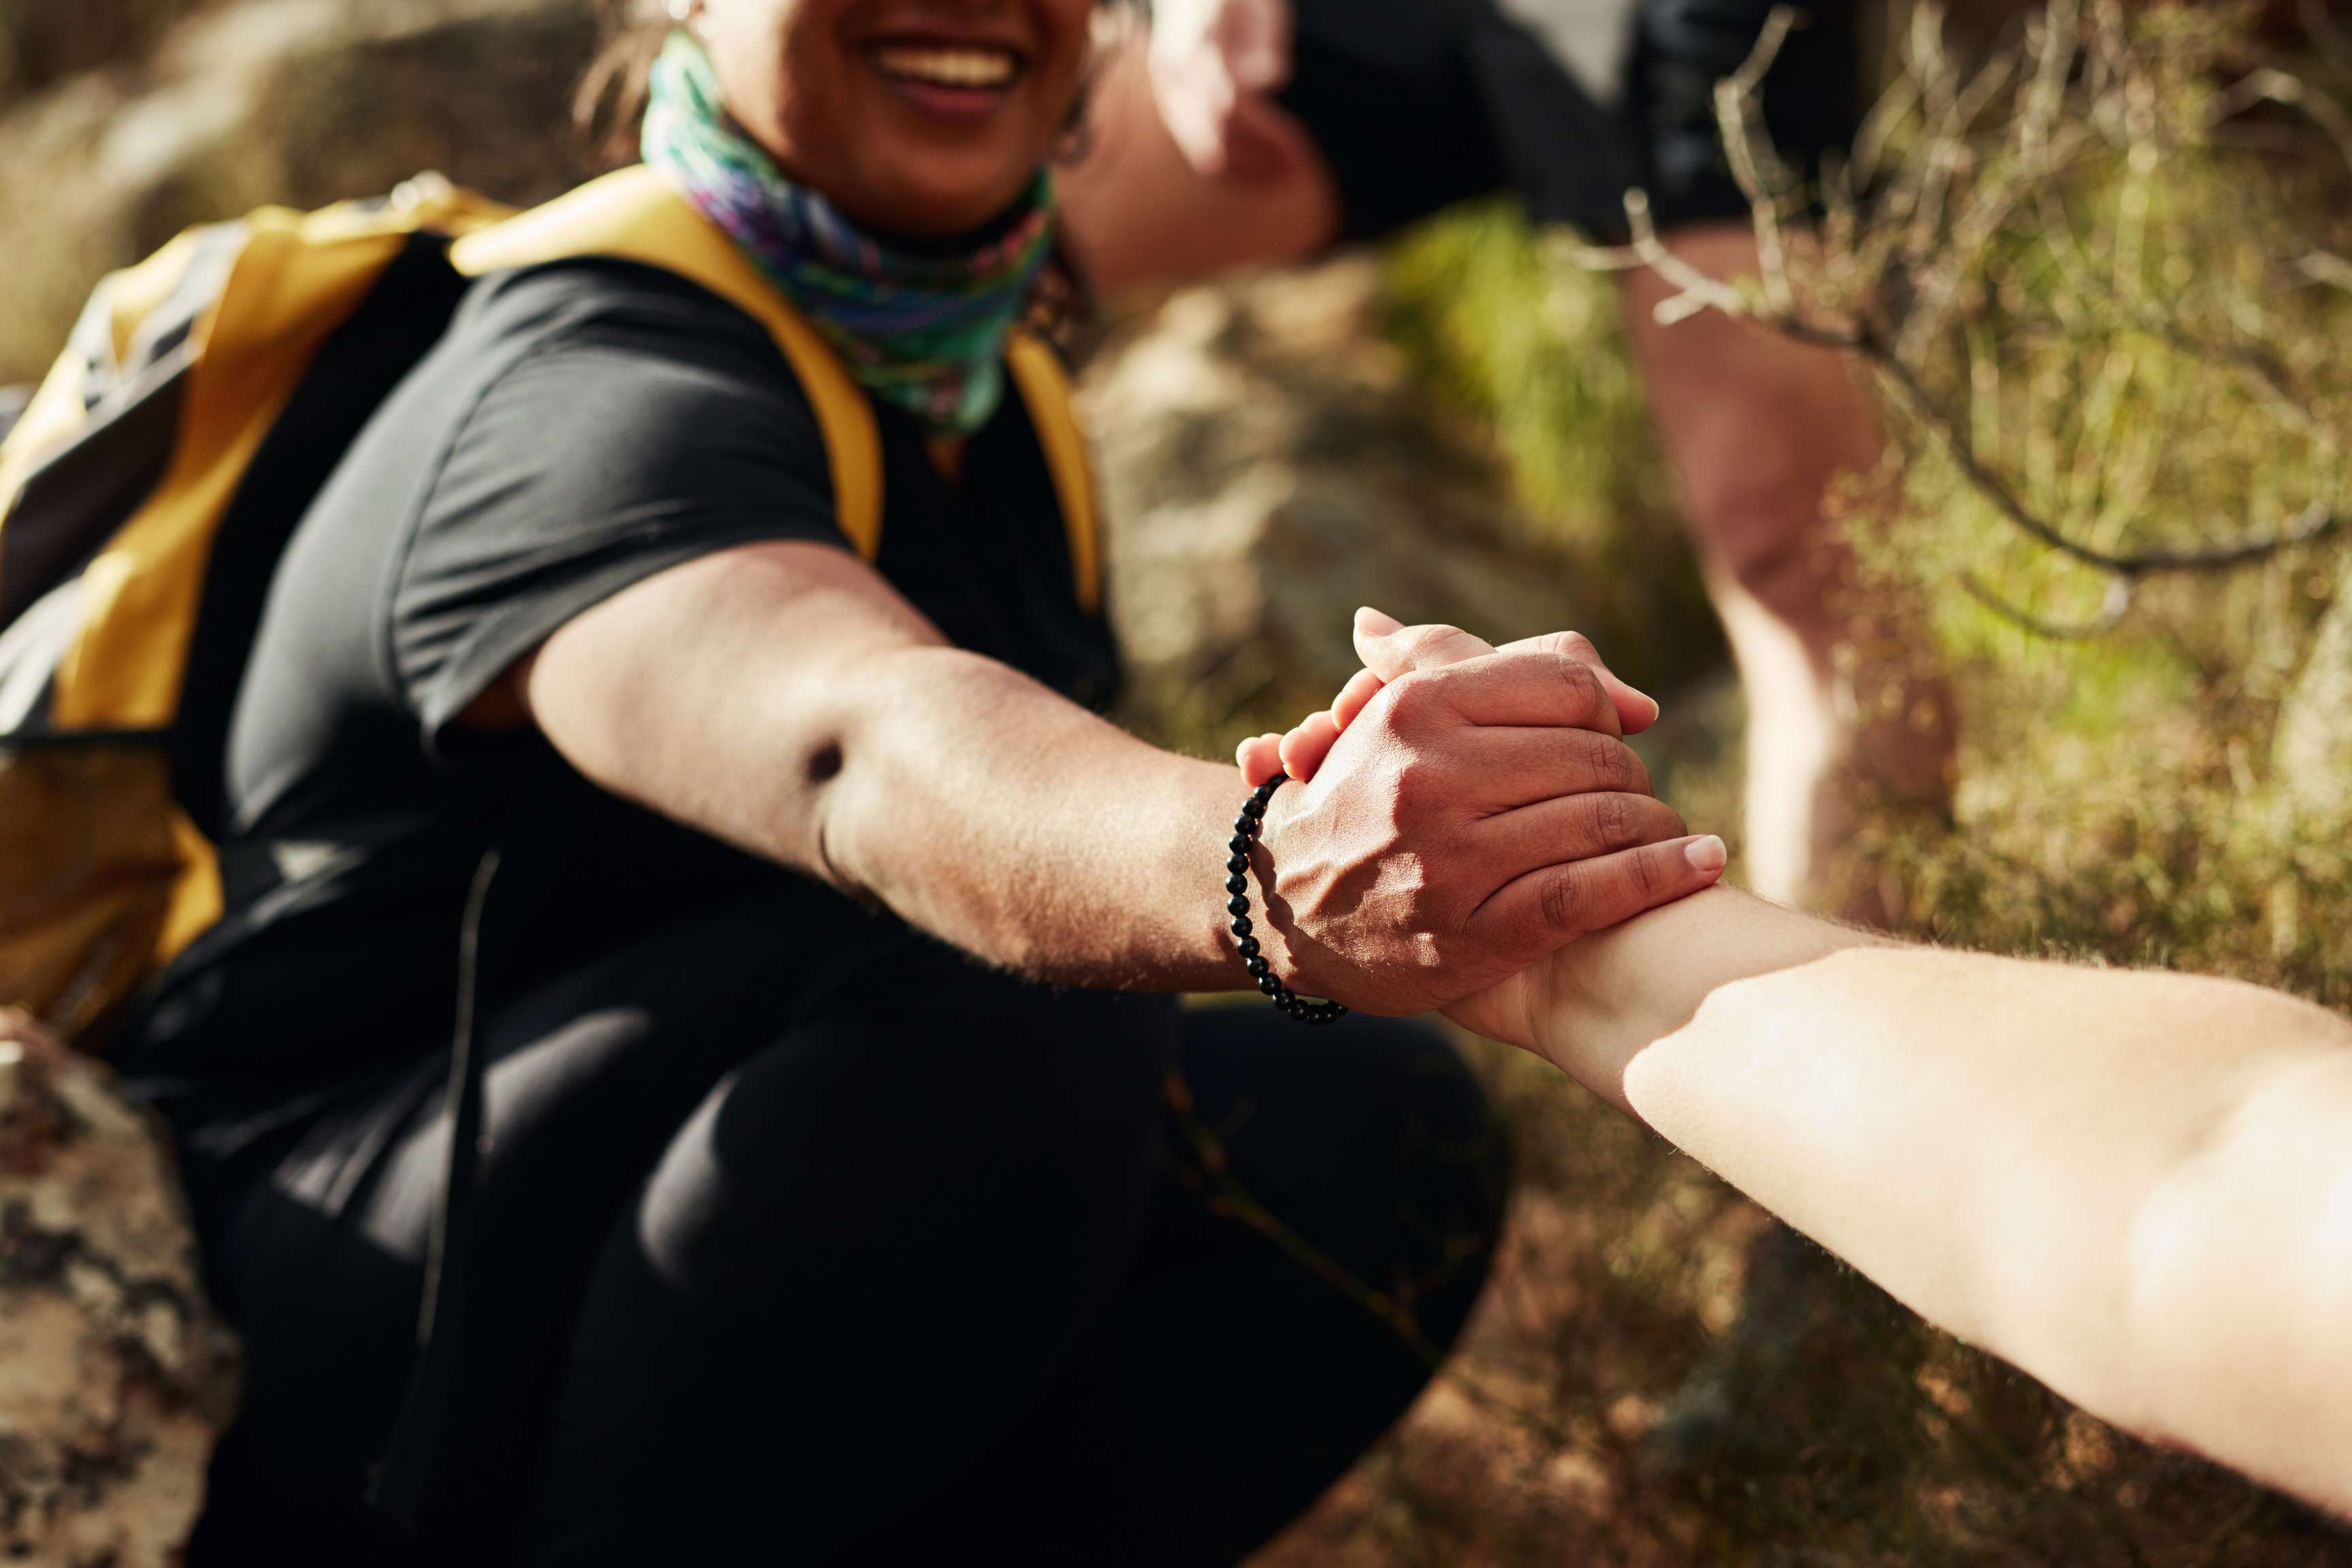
x,y
121,479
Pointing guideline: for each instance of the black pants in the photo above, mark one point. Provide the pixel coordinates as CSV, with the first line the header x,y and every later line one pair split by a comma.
x,y
900,1264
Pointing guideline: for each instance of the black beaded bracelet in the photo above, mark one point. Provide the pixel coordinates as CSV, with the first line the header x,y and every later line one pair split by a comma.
x,y
1237,866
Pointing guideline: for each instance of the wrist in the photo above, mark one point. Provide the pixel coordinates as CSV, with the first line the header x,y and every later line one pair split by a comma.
x,y
1248,868
1607,997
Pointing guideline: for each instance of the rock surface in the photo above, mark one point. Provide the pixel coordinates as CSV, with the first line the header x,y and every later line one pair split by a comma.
x,y
115,1377
1266,469
295,101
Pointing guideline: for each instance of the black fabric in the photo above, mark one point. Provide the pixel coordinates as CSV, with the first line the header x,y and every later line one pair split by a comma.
x,y
357,369
72,504
774,1193
849,1250
1419,104
578,428
75,500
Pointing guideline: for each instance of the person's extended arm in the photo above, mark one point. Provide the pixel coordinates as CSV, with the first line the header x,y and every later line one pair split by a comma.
x,y
783,698
2136,1186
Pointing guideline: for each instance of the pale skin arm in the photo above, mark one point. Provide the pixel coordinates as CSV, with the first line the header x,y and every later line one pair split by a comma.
x,y
2135,1186
785,699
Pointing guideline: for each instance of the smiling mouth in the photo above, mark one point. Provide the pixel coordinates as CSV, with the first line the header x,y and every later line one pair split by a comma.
x,y
959,67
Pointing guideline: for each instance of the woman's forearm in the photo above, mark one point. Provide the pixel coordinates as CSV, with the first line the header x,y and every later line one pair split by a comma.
x,y
784,699
2135,1186
990,812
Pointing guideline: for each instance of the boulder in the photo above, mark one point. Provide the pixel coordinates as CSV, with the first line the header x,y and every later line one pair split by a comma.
x,y
1266,468
301,102
115,1376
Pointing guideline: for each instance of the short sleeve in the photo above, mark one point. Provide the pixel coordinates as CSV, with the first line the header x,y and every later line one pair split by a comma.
x,y
1811,97
608,452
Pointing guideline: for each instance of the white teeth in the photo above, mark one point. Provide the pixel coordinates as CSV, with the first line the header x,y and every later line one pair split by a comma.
x,y
948,66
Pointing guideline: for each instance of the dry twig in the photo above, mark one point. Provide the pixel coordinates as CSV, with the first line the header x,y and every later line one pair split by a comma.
x,y
1888,271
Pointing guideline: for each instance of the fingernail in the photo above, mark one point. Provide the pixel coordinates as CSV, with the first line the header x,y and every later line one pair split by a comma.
x,y
1376,623
1655,708
1707,854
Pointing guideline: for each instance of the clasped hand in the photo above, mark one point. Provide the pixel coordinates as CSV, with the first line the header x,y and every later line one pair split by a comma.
x,y
1464,811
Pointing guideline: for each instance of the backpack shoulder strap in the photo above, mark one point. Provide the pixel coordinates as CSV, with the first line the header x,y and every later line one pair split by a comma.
x,y
1045,388
288,280
634,215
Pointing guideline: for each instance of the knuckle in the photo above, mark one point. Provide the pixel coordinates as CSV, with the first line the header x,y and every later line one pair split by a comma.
x,y
1602,760
1613,820
1561,897
1410,697
1644,876
1417,785
1581,688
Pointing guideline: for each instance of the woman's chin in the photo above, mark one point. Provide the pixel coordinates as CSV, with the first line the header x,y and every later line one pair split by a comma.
x,y
933,205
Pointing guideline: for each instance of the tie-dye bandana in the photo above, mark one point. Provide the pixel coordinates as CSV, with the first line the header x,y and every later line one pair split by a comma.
x,y
925,333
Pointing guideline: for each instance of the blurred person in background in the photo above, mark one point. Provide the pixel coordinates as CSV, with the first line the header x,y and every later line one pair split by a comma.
x,y
1258,131
805,918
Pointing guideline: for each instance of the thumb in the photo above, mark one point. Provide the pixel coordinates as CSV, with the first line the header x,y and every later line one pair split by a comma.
x,y
1391,648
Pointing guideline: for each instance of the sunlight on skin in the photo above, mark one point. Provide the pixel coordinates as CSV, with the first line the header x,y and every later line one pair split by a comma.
x,y
2132,1185
1301,752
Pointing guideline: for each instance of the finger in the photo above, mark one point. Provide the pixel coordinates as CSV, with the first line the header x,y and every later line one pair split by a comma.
x,y
1260,757
1361,688
1303,749
1636,709
1542,688
1580,827
1509,767
1549,908
1390,649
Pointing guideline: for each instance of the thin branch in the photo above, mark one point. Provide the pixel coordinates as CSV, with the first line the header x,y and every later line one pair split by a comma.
x,y
2326,267
2314,523
1924,253
1735,101
2256,364
2116,604
1695,291
2270,84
